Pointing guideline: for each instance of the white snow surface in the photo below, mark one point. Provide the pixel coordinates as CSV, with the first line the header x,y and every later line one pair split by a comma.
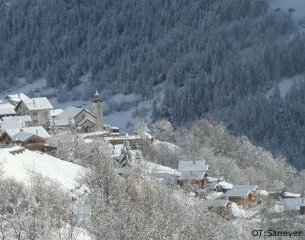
x,y
154,168
225,185
21,166
262,193
291,195
237,211
285,85
169,146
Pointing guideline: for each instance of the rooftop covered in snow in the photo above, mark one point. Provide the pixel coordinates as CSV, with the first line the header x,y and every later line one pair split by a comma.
x,y
41,103
293,204
240,190
192,170
38,130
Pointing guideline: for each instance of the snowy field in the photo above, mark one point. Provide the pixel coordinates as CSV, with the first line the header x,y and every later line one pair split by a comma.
x,y
22,165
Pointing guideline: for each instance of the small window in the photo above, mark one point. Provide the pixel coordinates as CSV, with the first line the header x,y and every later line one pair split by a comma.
x,y
35,113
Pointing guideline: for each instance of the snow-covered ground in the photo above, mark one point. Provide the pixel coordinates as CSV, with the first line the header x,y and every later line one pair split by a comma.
x,y
22,165
285,5
286,84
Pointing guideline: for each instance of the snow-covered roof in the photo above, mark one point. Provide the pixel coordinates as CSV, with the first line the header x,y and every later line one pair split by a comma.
x,y
38,130
17,97
225,185
18,118
192,166
240,190
67,116
291,204
60,122
192,175
83,121
7,109
192,170
290,195
221,203
41,103
70,113
15,122
22,136
55,112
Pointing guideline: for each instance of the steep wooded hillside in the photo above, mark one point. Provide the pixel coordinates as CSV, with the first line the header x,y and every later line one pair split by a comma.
x,y
217,58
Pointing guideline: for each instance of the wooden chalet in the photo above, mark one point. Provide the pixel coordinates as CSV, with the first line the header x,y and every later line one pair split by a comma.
x,y
27,137
242,194
193,172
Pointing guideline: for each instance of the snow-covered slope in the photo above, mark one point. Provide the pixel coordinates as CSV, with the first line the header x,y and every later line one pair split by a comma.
x,y
285,85
21,165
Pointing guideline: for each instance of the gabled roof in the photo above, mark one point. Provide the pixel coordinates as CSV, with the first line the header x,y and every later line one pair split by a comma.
x,y
41,103
192,166
69,113
18,118
15,122
68,116
293,203
85,120
17,97
240,190
7,109
60,122
191,175
39,131
192,170
22,136
55,112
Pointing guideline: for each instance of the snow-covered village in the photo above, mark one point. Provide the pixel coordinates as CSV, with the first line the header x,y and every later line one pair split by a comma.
x,y
157,120
39,141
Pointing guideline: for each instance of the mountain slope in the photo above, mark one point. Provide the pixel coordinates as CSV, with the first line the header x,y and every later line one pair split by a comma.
x,y
214,58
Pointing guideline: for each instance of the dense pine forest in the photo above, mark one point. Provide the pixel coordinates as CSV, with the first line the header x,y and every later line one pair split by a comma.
x,y
217,59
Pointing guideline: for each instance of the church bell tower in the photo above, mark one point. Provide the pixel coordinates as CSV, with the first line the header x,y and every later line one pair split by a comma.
x,y
97,110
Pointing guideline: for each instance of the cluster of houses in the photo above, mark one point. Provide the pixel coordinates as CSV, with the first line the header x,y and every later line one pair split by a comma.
x,y
221,196
27,121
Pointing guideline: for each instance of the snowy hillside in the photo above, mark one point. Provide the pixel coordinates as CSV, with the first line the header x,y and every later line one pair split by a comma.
x,y
21,165
285,85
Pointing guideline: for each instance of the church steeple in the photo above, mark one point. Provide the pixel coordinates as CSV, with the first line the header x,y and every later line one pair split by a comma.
x,y
97,97
97,110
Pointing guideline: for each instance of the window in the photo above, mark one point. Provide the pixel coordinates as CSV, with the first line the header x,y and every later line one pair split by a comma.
x,y
35,113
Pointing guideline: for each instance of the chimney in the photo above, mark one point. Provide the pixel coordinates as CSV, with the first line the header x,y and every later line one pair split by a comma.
x,y
34,102
19,95
36,131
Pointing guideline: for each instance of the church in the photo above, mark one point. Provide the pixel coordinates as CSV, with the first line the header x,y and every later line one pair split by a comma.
x,y
81,118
